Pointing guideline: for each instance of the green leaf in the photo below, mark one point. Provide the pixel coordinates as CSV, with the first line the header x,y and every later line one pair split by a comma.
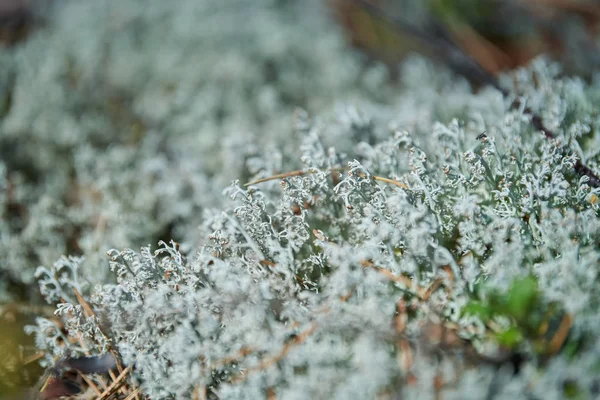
x,y
572,391
511,337
521,297
478,309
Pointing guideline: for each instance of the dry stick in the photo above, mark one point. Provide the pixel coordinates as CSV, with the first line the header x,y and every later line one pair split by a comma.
x,y
432,288
405,355
465,65
113,377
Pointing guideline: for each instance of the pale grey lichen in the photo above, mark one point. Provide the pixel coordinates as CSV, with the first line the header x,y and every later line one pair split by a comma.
x,y
292,286
127,117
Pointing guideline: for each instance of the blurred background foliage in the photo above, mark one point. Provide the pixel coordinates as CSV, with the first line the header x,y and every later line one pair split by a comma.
x,y
498,34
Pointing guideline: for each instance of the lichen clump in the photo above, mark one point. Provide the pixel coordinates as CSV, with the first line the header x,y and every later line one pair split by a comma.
x,y
427,239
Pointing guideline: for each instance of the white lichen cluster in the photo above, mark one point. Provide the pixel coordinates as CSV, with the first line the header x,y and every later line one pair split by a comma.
x,y
126,119
121,120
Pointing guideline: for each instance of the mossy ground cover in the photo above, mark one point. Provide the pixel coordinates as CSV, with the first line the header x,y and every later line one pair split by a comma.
x,y
231,209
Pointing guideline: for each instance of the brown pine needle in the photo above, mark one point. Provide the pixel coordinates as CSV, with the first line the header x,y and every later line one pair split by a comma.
x,y
298,340
114,378
289,174
271,394
91,384
268,362
199,393
423,293
388,180
561,335
388,274
89,312
133,394
33,358
117,383
87,309
279,176
301,173
243,352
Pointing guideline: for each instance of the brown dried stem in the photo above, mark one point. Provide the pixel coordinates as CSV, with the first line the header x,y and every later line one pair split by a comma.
x,y
302,172
393,182
116,384
279,176
423,293
266,363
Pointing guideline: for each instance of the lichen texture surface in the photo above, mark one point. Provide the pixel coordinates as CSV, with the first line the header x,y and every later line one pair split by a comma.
x,y
235,204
